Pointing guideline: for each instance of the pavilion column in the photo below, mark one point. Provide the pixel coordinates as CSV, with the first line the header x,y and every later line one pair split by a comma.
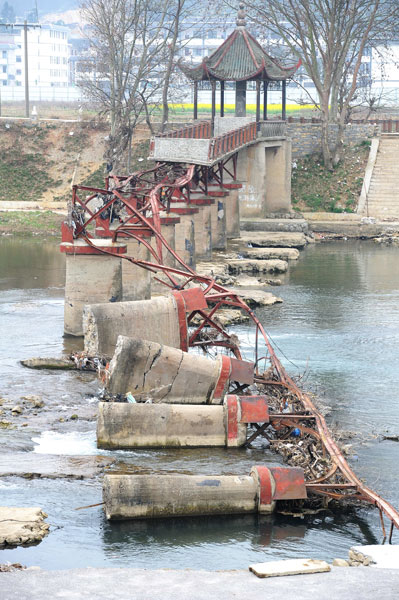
x,y
195,99
284,100
257,102
265,86
213,86
241,98
222,98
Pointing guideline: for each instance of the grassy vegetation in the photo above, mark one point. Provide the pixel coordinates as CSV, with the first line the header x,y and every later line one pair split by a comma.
x,y
30,223
314,188
24,176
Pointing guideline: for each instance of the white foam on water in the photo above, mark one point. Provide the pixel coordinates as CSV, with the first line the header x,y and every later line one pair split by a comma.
x,y
72,443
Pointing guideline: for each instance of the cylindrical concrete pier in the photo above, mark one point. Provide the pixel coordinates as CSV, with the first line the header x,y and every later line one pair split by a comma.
x,y
160,373
203,228
185,235
136,280
158,319
168,231
155,496
89,278
218,215
232,214
121,425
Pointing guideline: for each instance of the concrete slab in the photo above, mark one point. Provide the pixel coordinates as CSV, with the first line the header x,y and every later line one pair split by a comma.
x,y
162,584
257,297
295,566
386,556
273,239
20,526
274,224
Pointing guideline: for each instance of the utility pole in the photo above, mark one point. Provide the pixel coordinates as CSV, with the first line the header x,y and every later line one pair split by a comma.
x,y
26,69
26,27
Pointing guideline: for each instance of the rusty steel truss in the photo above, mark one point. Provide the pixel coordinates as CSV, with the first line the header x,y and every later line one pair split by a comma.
x,y
133,207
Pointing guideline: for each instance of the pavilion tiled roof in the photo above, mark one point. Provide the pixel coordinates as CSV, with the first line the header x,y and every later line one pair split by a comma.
x,y
239,58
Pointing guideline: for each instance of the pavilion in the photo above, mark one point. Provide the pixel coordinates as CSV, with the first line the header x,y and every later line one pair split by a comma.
x,y
240,58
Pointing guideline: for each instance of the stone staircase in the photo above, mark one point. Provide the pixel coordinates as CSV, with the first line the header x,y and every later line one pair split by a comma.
x,y
383,194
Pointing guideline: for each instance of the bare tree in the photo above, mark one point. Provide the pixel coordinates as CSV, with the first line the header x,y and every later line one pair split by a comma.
x,y
330,37
129,45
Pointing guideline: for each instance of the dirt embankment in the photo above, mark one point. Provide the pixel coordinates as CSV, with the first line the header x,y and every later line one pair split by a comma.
x,y
38,161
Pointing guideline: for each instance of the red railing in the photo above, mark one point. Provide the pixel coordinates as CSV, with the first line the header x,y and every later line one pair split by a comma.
x,y
223,144
201,130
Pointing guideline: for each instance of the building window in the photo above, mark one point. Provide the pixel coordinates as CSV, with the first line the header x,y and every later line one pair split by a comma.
x,y
4,69
19,72
4,82
4,54
18,83
18,59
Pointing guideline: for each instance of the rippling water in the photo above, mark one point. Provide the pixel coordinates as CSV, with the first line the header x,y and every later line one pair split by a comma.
x,y
338,328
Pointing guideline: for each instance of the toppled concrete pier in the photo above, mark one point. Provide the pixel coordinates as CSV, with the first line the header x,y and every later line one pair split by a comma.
x,y
160,373
158,496
162,319
121,425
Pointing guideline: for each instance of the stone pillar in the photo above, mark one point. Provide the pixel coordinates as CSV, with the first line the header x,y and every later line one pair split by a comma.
x,y
169,233
185,238
233,214
241,99
136,280
219,224
203,233
89,278
278,178
264,169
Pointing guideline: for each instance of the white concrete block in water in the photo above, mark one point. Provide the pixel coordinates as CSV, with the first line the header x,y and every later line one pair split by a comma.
x,y
295,566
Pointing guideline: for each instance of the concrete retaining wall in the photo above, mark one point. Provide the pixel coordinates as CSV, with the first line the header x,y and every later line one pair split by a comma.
x,y
306,137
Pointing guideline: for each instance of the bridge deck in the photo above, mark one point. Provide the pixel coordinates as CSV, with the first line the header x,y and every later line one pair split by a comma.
x,y
194,144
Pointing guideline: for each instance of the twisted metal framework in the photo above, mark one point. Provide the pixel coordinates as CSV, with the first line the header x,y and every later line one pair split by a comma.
x,y
133,207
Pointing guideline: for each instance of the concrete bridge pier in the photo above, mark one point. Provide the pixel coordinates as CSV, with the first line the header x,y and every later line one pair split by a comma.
x,y
265,172
159,496
168,231
185,233
161,319
232,210
136,280
124,425
203,227
218,223
91,276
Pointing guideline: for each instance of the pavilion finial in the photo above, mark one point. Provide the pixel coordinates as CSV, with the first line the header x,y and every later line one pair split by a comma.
x,y
240,21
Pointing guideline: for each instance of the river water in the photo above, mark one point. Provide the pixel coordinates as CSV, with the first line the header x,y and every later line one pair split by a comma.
x,y
338,328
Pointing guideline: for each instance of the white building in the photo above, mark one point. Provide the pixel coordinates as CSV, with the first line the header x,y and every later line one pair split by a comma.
x,y
48,63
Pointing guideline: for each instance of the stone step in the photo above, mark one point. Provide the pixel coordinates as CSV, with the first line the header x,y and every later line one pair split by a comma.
x,y
272,224
264,239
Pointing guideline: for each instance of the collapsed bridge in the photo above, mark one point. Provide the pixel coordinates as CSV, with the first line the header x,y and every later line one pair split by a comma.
x,y
150,221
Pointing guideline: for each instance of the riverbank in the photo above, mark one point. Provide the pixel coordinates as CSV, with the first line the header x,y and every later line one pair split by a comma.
x,y
31,222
